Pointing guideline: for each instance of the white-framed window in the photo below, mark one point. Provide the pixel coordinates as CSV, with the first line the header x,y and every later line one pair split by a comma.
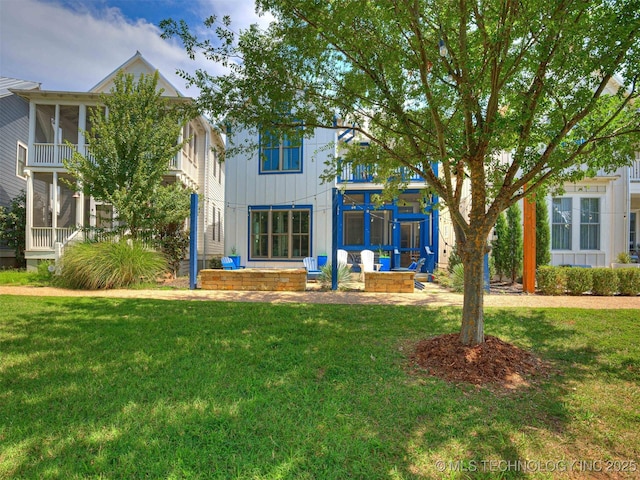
x,y
561,226
589,224
280,154
21,160
280,234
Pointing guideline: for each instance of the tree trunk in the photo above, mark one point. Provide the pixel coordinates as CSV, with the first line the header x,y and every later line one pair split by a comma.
x,y
472,330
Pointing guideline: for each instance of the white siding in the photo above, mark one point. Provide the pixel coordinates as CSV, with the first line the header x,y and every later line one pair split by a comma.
x,y
246,187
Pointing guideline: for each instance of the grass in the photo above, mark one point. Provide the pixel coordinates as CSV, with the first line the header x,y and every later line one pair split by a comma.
x,y
115,388
22,277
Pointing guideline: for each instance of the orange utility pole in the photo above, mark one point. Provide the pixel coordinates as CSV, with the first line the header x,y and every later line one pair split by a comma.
x,y
529,246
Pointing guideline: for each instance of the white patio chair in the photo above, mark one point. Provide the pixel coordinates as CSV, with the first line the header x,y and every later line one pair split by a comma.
x,y
366,265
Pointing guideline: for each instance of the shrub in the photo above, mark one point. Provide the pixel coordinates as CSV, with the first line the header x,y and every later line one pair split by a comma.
x,y
578,280
344,275
457,278
551,280
215,262
110,265
442,277
628,280
604,281
623,257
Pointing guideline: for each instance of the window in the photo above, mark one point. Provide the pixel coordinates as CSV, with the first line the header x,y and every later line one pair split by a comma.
x,y
589,224
561,224
353,227
280,154
21,160
280,234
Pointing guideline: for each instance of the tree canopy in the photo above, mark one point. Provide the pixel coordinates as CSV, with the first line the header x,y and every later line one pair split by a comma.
x,y
509,96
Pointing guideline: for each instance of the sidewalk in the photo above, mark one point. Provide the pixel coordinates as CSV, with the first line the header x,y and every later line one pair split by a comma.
x,y
432,296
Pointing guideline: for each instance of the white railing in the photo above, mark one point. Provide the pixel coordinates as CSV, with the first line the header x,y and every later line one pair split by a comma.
x,y
50,154
44,238
362,174
183,164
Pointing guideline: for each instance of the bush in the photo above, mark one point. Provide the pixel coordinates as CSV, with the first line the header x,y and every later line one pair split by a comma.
x,y
578,280
457,278
605,281
215,262
344,275
110,265
551,280
628,280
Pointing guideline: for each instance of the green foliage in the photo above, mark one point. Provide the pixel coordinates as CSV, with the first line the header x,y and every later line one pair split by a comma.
x,y
551,280
579,280
623,257
454,259
215,262
513,253
457,278
500,247
117,264
543,232
344,275
628,280
13,221
605,281
130,148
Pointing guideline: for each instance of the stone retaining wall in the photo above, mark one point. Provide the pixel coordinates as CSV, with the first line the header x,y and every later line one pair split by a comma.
x,y
276,279
389,282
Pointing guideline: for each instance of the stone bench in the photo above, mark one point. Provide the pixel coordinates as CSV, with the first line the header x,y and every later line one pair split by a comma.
x,y
389,282
273,279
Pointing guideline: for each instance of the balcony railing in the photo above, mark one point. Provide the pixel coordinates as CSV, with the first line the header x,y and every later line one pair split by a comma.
x,y
363,174
44,238
51,154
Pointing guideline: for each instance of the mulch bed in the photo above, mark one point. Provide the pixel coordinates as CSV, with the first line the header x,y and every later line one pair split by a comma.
x,y
494,363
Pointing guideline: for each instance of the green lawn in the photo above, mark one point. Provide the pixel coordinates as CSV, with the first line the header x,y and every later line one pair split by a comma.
x,y
109,388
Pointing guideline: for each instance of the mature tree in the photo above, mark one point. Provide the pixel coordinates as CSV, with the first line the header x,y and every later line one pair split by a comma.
x,y
447,82
543,233
131,144
514,252
13,220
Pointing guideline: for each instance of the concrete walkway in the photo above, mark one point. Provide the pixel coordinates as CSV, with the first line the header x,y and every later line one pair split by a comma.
x,y
432,296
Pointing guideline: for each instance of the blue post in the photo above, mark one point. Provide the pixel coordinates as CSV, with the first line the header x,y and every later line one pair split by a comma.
x,y
193,243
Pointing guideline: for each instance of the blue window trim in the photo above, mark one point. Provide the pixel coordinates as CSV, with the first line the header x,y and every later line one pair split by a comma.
x,y
286,207
429,214
261,171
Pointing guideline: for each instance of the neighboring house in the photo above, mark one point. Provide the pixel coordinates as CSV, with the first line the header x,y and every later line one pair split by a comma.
x,y
278,211
596,219
14,137
55,211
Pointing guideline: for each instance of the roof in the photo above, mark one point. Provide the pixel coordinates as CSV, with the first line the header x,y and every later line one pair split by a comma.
x,y
7,83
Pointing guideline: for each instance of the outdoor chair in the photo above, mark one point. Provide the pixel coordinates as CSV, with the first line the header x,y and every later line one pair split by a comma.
x,y
366,262
311,265
228,264
343,257
417,266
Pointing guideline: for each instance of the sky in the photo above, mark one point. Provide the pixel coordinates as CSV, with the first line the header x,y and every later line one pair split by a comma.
x,y
71,45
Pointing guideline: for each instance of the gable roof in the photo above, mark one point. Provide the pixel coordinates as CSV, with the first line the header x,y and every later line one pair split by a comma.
x,y
137,65
7,83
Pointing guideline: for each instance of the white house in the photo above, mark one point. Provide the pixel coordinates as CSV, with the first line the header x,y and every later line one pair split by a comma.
x,y
56,212
278,211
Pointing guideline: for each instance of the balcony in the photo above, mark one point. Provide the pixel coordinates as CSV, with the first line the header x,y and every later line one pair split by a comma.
x,y
44,238
363,174
634,170
52,155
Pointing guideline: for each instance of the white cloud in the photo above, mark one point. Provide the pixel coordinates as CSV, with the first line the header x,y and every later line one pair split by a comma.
x,y
74,49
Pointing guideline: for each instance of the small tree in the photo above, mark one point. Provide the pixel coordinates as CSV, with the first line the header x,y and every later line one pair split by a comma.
x,y
499,249
131,144
513,259
543,233
13,222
